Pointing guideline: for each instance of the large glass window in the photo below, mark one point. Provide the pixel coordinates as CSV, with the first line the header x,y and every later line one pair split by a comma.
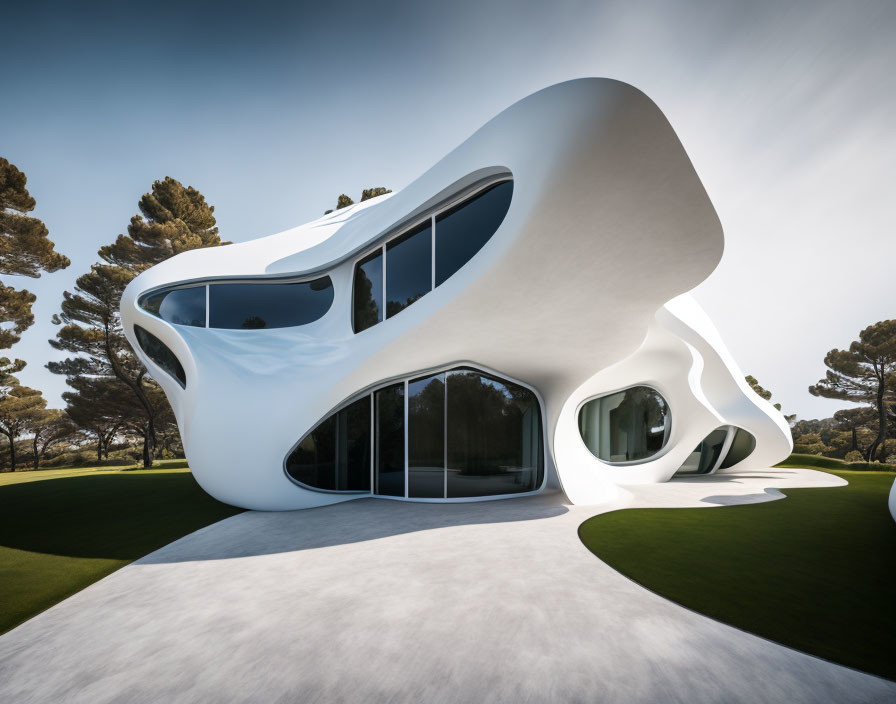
x,y
627,426
462,231
426,437
336,455
159,353
389,458
408,269
368,292
468,434
251,306
180,306
493,436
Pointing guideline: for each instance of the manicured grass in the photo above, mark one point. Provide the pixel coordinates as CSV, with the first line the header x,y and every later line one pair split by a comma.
x,y
815,571
63,529
820,462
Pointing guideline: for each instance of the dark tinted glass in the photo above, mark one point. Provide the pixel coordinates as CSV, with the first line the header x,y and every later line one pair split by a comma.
x,y
180,306
461,231
250,306
742,446
336,454
494,436
408,269
426,437
389,458
313,462
627,426
368,292
159,353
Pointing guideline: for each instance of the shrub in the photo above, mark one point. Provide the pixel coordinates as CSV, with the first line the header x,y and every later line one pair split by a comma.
x,y
854,456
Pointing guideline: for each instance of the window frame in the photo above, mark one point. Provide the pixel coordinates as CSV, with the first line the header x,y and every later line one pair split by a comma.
x,y
628,463
207,284
429,215
369,391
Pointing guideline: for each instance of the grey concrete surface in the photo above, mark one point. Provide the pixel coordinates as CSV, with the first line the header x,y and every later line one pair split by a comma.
x,y
382,601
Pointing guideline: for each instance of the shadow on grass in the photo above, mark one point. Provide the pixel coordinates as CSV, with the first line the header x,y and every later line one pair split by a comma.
x,y
111,516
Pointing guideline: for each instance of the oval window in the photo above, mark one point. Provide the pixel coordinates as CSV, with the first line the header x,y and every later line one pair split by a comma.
x,y
159,353
630,425
179,306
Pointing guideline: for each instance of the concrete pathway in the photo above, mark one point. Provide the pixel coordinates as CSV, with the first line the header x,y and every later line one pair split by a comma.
x,y
381,601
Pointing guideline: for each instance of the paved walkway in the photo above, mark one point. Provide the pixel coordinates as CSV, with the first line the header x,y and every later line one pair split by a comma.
x,y
380,601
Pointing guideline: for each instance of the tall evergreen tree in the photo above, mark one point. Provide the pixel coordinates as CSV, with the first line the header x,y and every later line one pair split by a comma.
x,y
25,250
866,374
173,219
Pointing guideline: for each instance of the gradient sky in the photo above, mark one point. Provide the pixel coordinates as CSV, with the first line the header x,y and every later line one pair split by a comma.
x,y
273,109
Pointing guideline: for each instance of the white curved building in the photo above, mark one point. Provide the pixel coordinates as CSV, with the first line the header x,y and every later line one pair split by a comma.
x,y
516,318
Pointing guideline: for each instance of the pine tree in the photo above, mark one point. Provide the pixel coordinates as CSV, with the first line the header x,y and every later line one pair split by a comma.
x,y
25,250
173,219
866,374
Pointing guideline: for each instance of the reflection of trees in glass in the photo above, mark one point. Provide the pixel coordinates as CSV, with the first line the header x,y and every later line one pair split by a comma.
x,y
253,322
366,309
485,423
366,299
393,307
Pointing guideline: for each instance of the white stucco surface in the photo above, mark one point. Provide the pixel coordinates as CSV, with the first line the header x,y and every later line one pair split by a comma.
x,y
381,601
580,292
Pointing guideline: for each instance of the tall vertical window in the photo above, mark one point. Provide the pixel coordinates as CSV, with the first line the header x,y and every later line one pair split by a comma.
x,y
493,436
426,437
368,291
408,269
462,231
628,426
389,448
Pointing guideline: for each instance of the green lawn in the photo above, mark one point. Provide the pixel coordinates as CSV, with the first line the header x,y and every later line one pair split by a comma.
x,y
63,529
815,571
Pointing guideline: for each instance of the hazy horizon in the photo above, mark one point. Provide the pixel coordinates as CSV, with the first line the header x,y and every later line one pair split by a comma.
x,y
272,111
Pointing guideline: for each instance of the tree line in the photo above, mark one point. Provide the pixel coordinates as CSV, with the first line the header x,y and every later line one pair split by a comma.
x,y
112,402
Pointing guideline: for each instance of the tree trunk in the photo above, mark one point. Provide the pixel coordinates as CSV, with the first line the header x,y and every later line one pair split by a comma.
x,y
36,456
12,454
855,440
881,424
147,453
99,448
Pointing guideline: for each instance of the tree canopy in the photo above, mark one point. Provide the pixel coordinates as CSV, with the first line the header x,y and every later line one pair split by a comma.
x,y
25,250
865,373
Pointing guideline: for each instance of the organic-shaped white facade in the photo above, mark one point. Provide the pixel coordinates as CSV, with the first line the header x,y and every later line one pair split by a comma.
x,y
448,342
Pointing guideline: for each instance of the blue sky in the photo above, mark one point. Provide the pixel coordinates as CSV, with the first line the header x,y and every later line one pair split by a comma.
x,y
273,109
